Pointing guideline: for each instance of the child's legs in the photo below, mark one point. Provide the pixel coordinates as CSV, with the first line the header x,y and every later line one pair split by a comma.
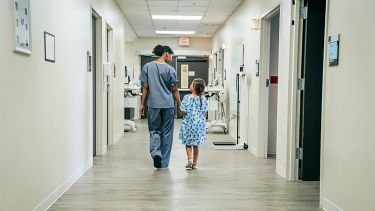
x,y
189,151
196,154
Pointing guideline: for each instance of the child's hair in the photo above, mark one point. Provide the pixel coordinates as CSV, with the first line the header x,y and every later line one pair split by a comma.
x,y
159,50
199,86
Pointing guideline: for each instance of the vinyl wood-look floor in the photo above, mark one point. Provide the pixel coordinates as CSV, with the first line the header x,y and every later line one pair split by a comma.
x,y
124,179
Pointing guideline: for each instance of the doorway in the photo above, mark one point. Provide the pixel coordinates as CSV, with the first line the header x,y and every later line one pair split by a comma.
x,y
273,85
94,32
196,67
109,73
102,67
309,88
268,77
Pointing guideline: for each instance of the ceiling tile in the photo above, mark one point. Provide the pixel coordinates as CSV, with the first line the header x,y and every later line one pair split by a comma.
x,y
190,3
192,9
193,13
163,8
214,12
163,3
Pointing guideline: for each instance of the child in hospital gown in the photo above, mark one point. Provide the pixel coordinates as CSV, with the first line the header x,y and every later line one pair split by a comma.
x,y
193,108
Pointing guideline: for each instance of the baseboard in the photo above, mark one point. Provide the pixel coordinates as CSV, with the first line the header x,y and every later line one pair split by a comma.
x,y
253,150
118,137
281,171
327,205
55,195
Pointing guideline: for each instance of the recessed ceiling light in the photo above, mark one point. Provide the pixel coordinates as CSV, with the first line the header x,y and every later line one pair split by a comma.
x,y
176,17
175,32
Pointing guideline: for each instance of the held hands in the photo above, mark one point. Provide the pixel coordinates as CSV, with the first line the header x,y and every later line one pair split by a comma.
x,y
142,110
180,112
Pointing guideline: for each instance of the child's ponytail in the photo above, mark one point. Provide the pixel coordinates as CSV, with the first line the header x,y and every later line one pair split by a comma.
x,y
199,85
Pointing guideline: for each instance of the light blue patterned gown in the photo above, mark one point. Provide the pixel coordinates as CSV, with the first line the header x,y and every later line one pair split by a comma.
x,y
193,128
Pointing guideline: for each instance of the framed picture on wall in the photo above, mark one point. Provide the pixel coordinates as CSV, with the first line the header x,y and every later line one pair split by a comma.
x,y
22,26
49,47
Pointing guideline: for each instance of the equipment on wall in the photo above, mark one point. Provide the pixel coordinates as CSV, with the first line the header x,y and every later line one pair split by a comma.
x,y
238,144
217,101
231,145
132,93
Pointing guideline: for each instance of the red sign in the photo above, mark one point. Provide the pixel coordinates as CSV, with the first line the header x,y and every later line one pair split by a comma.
x,y
274,79
184,41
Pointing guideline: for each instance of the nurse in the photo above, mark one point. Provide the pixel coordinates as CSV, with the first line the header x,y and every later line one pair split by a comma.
x,y
160,85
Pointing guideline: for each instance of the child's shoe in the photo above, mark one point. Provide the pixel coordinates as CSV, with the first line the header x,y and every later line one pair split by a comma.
x,y
189,165
194,166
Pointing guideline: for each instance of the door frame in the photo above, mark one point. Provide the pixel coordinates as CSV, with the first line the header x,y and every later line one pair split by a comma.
x,y
92,56
296,59
298,43
111,60
265,33
100,123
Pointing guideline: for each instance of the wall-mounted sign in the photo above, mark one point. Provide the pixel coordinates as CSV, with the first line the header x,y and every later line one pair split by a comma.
x,y
184,76
254,24
184,41
257,67
22,26
191,73
334,48
274,79
49,47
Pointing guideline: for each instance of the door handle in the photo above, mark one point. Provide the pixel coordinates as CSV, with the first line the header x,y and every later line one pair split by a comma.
x,y
89,62
267,82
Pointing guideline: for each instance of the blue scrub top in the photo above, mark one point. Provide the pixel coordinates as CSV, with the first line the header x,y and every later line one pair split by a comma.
x,y
160,78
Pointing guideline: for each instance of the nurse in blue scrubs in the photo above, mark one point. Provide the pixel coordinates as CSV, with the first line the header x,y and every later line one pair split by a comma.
x,y
160,86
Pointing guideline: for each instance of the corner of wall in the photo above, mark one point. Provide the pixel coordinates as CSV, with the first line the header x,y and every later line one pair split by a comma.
x,y
117,137
327,205
59,191
280,170
253,150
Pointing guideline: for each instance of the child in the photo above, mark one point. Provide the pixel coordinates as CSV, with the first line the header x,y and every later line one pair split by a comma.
x,y
193,129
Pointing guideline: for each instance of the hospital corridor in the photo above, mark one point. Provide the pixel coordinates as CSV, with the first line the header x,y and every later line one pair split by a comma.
x,y
259,105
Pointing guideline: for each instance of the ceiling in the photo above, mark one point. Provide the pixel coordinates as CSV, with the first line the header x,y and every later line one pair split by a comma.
x,y
214,12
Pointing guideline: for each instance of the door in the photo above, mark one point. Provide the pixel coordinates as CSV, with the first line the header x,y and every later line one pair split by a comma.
x,y
267,71
273,85
109,73
93,62
310,86
197,67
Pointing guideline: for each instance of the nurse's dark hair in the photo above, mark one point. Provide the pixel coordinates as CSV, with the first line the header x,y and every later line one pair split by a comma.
x,y
159,50
199,86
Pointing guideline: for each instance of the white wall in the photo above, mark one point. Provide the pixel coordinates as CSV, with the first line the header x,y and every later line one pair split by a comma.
x,y
46,108
348,114
237,31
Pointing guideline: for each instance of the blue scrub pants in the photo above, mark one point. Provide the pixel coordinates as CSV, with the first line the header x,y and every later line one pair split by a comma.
x,y
160,126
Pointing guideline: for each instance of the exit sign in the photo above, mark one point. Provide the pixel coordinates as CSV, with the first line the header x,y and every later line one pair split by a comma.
x,y
184,41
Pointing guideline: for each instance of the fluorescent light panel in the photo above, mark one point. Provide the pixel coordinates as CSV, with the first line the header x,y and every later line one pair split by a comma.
x,y
176,17
175,32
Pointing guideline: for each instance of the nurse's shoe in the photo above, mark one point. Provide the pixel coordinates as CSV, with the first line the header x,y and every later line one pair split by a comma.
x,y
157,161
